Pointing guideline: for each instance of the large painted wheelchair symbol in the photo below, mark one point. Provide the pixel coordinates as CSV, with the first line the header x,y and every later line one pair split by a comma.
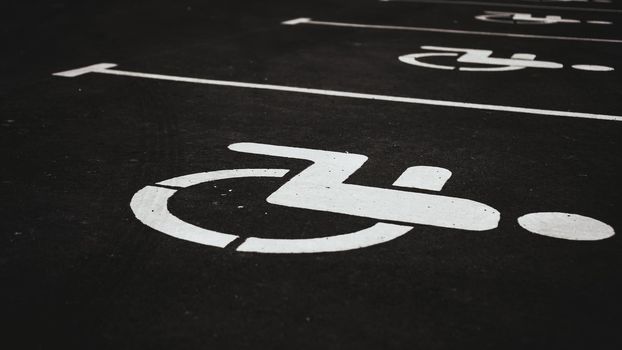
x,y
321,187
528,18
485,62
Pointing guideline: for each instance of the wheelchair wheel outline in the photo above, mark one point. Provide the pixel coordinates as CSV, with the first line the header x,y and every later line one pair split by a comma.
x,y
150,206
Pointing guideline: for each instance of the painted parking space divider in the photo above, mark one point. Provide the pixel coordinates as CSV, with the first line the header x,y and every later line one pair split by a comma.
x,y
105,68
571,1
517,61
321,187
505,4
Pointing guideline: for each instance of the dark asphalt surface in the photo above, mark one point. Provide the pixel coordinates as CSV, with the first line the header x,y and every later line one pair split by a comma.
x,y
78,270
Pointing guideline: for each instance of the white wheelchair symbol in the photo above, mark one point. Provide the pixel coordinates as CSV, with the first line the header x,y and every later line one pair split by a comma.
x,y
321,187
517,61
527,18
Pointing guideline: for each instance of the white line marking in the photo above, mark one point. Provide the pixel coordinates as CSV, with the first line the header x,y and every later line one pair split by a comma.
x,y
499,4
103,68
293,22
446,31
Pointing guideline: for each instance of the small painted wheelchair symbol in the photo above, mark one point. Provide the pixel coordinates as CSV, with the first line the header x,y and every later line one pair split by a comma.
x,y
486,63
321,187
528,18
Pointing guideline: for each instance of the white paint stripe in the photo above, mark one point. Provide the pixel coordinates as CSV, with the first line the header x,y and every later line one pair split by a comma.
x,y
336,93
446,31
499,4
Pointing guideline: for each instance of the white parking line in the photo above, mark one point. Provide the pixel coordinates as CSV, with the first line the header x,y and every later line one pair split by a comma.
x,y
305,20
104,68
499,4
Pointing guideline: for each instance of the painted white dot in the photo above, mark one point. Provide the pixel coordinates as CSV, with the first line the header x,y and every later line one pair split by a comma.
x,y
592,67
566,226
599,22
